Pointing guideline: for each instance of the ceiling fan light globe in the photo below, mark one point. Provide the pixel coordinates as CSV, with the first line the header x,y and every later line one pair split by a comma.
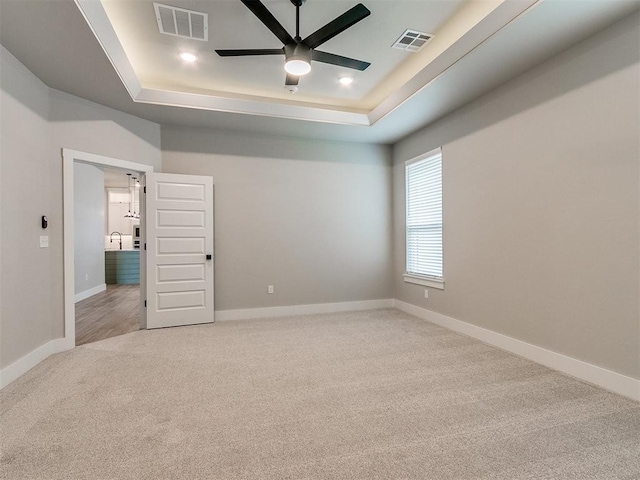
x,y
297,67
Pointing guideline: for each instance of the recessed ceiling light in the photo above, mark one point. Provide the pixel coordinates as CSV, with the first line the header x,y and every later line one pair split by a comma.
x,y
346,80
188,56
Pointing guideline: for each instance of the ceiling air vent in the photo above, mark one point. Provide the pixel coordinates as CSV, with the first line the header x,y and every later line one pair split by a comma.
x,y
412,40
182,23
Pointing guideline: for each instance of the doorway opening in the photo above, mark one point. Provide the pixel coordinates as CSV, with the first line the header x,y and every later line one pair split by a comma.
x,y
104,272
107,252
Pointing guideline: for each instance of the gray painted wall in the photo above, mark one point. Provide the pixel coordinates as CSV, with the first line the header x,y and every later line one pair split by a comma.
x,y
541,205
89,218
26,270
36,123
88,127
311,218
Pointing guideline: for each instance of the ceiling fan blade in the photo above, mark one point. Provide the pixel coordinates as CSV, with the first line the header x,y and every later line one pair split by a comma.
x,y
340,24
246,52
332,59
291,80
265,16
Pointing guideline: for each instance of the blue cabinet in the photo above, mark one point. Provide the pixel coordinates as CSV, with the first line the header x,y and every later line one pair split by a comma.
x,y
122,266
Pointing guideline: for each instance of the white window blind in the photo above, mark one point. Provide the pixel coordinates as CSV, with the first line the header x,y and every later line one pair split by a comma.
x,y
424,215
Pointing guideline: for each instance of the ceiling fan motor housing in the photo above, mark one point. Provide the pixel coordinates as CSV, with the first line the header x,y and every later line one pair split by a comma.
x,y
297,51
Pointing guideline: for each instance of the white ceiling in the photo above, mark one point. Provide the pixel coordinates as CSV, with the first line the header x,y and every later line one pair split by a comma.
x,y
117,178
480,44
148,64
232,25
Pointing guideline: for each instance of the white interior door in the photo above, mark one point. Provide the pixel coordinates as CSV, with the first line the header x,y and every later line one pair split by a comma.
x,y
179,217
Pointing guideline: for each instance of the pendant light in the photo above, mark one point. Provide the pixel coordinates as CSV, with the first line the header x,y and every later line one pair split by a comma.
x,y
135,193
129,214
132,214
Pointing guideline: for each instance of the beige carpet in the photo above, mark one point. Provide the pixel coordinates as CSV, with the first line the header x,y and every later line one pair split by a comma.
x,y
362,395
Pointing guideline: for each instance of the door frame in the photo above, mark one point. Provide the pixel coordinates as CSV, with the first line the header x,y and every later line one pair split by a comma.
x,y
69,158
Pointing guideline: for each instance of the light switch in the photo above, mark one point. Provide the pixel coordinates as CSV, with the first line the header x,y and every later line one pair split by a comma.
x,y
44,241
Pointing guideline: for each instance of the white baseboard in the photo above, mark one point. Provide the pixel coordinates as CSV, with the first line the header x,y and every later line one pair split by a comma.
x,y
615,382
90,293
245,314
30,360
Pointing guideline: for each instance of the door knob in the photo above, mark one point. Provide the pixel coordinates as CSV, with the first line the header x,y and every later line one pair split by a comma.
x,y
209,256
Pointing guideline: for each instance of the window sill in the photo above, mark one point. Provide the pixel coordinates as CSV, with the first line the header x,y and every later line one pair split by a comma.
x,y
425,282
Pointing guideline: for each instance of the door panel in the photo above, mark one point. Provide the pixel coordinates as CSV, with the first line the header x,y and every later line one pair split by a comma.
x,y
177,218
181,273
181,300
175,246
179,237
179,191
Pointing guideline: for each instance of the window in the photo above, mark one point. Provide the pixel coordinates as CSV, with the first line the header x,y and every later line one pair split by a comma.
x,y
423,177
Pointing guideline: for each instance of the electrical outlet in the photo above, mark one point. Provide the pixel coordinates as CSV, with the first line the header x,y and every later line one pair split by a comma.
x,y
426,293
86,276
270,289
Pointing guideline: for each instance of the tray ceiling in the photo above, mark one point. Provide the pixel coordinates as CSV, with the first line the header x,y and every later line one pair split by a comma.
x,y
87,59
147,61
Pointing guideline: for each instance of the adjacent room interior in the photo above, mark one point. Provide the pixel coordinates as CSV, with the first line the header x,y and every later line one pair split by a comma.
x,y
425,239
107,252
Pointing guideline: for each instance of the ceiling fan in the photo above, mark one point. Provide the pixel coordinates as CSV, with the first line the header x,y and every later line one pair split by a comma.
x,y
298,52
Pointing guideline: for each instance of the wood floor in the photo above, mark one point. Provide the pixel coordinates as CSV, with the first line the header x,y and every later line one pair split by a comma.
x,y
108,314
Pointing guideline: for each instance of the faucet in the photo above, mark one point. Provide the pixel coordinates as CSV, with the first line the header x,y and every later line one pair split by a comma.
x,y
111,238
